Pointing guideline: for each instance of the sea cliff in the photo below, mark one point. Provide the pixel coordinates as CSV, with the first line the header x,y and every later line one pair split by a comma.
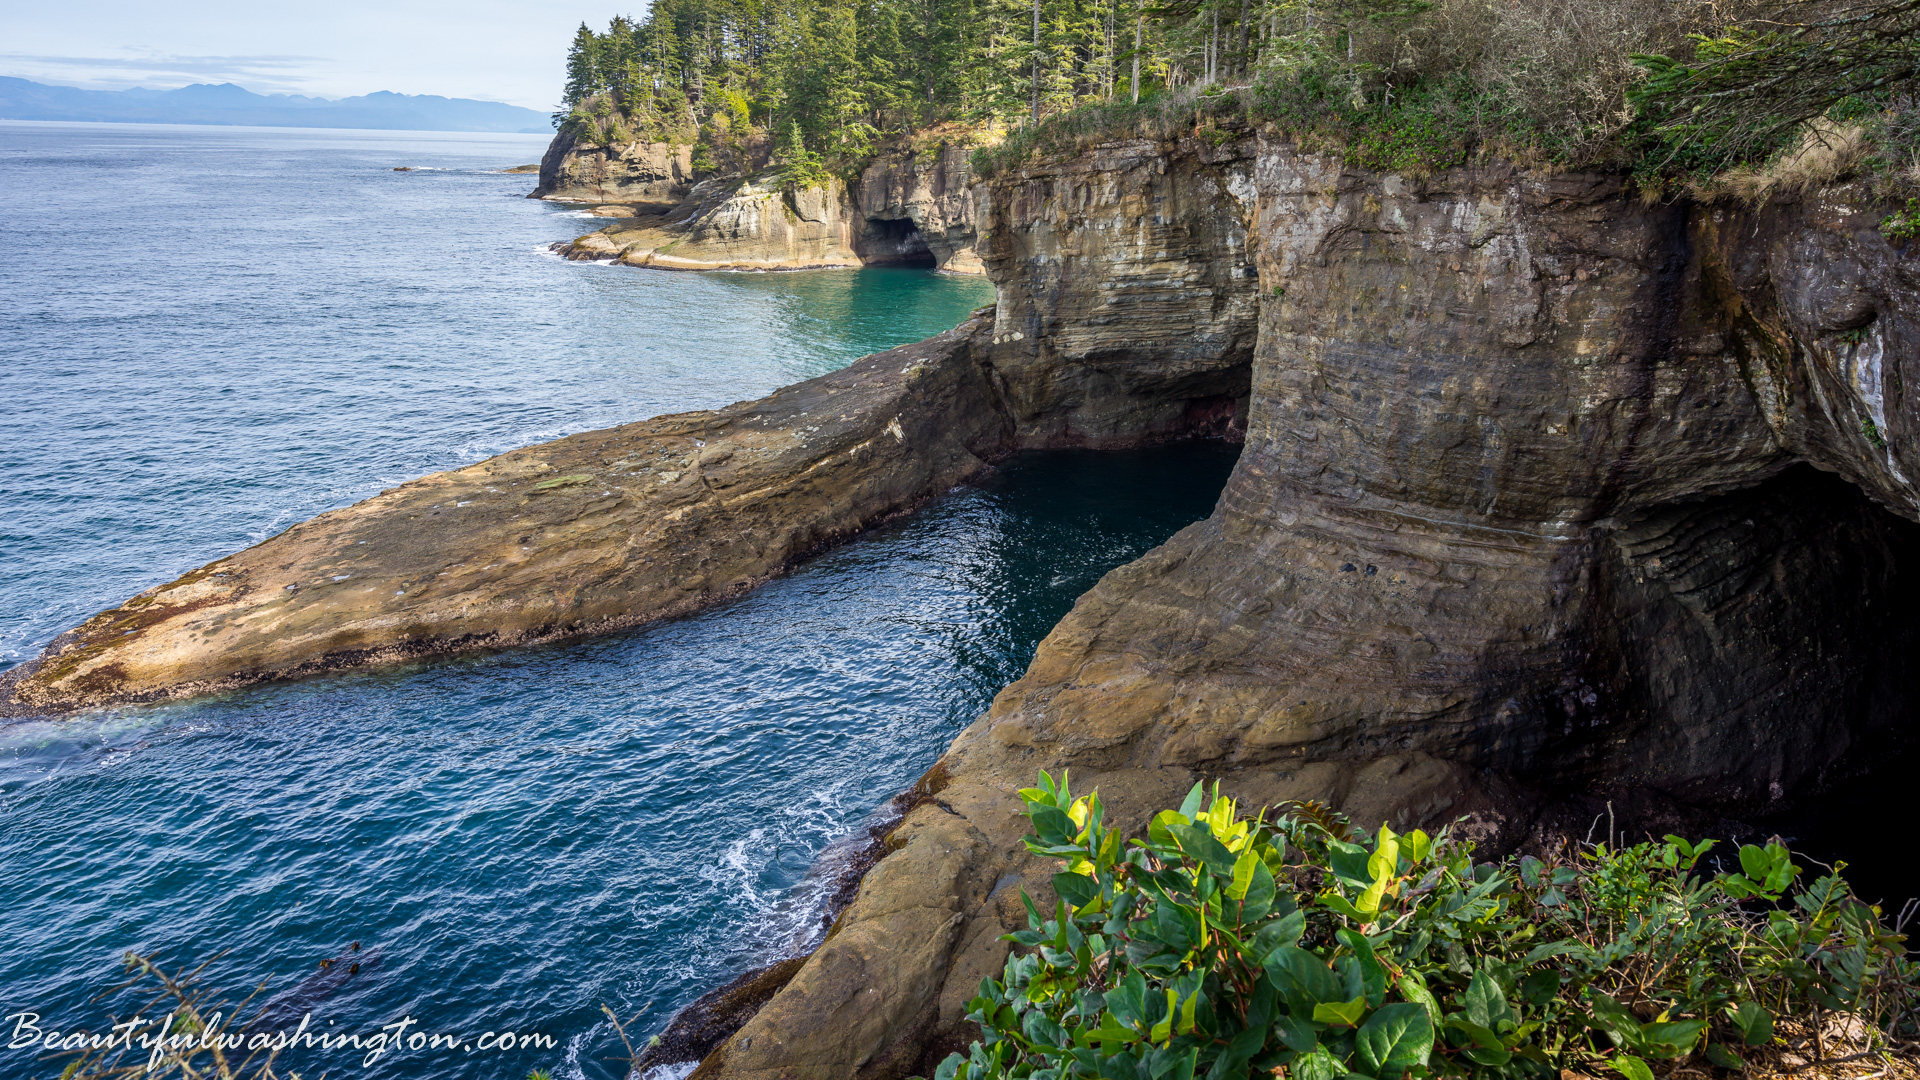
x,y
1550,497
911,205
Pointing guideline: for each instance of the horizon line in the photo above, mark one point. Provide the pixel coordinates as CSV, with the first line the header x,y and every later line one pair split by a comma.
x,y
258,93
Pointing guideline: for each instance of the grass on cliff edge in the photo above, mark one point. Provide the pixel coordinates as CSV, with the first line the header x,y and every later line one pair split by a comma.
x,y
1225,947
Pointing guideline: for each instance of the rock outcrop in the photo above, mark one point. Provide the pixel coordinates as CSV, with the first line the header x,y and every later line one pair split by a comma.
x,y
734,224
590,533
918,204
1547,495
909,208
1127,294
642,174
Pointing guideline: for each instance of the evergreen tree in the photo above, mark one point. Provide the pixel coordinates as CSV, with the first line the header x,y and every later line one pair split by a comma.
x,y
583,68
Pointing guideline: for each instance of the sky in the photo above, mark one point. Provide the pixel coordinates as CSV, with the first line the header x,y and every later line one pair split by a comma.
x,y
493,50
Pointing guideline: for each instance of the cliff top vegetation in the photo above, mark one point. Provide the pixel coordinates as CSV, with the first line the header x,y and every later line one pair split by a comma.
x,y
1734,97
1727,98
1228,947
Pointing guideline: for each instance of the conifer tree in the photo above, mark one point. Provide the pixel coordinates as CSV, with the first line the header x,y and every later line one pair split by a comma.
x,y
583,68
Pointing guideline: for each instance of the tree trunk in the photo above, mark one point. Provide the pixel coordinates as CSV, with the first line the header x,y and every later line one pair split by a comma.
x,y
1111,6
1036,61
1140,22
1240,53
1213,49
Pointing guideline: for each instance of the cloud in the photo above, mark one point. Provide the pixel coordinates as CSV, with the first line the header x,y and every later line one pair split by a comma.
x,y
266,73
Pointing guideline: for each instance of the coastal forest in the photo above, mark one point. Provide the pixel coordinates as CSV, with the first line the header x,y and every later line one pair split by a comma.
x,y
1746,93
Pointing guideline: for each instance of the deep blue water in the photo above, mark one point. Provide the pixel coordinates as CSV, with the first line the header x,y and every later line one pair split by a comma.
x,y
209,334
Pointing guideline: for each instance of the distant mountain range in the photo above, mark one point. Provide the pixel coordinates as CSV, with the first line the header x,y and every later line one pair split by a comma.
x,y
205,103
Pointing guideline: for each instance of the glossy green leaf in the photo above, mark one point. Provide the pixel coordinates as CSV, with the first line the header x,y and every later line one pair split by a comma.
x,y
1195,801
1372,975
1613,1018
1318,1065
1395,1038
1333,901
1755,1023
1076,889
1261,894
1631,1067
1483,1002
1673,1038
1343,1013
1416,845
1298,1034
1349,863
1303,977
1281,931
1416,991
1242,874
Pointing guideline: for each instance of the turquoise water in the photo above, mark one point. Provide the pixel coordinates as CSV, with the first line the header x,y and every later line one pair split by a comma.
x,y
212,333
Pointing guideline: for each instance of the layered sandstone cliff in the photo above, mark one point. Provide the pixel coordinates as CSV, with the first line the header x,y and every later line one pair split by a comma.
x,y
734,224
1546,494
638,174
909,207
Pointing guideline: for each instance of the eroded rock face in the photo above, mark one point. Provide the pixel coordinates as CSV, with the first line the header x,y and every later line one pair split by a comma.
x,y
907,209
636,174
1546,493
918,204
1127,295
734,224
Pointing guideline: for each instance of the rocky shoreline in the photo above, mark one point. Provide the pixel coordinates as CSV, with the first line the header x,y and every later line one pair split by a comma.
x,y
909,207
1549,497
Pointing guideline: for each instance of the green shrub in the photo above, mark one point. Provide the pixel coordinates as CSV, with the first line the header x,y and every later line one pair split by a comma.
x,y
1219,945
1902,224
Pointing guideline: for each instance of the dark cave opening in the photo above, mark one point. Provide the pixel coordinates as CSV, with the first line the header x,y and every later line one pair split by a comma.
x,y
1760,647
895,242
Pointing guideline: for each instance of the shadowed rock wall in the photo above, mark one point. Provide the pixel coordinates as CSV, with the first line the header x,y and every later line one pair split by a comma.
x,y
927,194
1546,494
1126,289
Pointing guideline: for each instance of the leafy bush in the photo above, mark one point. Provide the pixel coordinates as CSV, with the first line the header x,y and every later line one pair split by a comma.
x,y
1902,224
1219,945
